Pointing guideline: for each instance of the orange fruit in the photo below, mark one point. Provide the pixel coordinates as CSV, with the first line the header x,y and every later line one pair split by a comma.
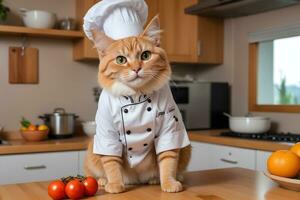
x,y
32,128
296,149
284,163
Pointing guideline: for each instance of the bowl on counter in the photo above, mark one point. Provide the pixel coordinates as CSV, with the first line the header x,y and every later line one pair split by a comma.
x,y
89,128
35,136
249,124
287,183
38,18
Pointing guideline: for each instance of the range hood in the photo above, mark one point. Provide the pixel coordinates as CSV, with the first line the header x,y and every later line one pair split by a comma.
x,y
236,8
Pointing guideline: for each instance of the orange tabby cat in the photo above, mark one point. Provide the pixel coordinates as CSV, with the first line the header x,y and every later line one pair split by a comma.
x,y
113,171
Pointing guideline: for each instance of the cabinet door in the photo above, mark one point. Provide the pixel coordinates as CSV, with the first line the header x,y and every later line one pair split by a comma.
x,y
210,40
225,156
180,31
201,157
37,167
83,49
152,9
261,160
81,162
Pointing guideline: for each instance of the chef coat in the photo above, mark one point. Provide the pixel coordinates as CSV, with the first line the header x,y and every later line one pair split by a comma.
x,y
130,125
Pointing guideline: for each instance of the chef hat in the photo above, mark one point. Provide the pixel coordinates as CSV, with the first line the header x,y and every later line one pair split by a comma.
x,y
116,18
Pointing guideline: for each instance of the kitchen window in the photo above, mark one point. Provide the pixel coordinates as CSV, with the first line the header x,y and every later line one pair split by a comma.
x,y
274,70
279,71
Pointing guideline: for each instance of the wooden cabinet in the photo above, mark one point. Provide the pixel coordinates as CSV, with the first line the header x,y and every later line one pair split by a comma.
x,y
188,38
37,167
83,49
152,9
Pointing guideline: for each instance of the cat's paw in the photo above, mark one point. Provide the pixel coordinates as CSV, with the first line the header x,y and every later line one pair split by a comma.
x,y
102,181
171,186
153,181
114,187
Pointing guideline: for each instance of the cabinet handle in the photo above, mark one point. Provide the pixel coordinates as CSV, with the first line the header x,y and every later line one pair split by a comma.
x,y
229,161
199,48
35,167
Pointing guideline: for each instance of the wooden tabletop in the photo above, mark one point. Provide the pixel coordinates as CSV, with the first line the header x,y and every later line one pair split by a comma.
x,y
18,146
220,184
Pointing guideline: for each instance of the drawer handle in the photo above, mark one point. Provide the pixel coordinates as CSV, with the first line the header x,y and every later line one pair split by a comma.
x,y
35,167
199,48
229,161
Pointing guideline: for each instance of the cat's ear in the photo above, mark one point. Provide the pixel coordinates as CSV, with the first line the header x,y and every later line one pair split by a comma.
x,y
101,41
153,30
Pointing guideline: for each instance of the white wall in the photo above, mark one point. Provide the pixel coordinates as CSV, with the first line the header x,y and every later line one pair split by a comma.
x,y
63,82
235,67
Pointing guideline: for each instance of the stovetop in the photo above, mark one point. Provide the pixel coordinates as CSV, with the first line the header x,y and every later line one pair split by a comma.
x,y
277,137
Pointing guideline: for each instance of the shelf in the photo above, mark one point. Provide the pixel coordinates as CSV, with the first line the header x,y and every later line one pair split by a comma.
x,y
34,32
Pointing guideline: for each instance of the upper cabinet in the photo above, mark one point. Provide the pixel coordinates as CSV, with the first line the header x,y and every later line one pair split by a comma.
x,y
186,38
83,49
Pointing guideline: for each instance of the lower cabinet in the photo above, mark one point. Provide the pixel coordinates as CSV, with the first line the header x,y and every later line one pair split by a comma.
x,y
81,162
211,156
261,160
48,166
225,156
201,158
37,166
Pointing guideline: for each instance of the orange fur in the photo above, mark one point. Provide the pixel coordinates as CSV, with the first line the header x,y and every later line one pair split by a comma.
x,y
119,79
155,72
164,168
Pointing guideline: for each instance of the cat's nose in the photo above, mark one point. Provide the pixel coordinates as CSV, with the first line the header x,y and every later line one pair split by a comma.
x,y
137,70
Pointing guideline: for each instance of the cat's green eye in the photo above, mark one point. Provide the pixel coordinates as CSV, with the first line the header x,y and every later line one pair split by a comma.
x,y
146,55
121,60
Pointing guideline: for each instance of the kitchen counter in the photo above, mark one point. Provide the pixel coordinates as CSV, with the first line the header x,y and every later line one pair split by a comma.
x,y
213,136
17,146
220,184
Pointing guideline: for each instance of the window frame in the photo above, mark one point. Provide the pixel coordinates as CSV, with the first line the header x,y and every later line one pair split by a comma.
x,y
253,106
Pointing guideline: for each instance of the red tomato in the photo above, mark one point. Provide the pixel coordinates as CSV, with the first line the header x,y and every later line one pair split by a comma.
x,y
56,190
75,189
90,185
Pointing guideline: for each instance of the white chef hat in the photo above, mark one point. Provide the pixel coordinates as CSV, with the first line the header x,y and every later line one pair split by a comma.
x,y
116,18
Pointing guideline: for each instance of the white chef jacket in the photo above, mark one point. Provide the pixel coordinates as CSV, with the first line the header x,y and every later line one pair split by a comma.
x,y
129,126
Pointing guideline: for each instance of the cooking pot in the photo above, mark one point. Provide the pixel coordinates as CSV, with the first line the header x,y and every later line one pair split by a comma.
x,y
61,124
249,124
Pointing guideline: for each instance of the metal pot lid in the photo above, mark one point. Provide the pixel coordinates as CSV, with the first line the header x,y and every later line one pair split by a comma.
x,y
250,118
60,112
